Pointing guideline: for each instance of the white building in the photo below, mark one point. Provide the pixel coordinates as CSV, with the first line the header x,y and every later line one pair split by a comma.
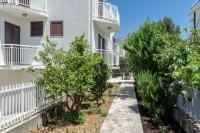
x,y
24,23
23,26
195,15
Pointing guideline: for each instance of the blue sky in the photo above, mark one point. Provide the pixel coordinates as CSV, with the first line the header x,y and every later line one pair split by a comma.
x,y
135,12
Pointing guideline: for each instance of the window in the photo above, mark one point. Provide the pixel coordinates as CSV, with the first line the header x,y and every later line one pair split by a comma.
x,y
56,28
101,43
37,28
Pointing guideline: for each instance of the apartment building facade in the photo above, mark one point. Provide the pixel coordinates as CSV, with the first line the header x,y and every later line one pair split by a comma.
x,y
23,27
25,23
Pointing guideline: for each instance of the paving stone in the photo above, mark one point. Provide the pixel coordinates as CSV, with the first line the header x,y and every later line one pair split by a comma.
x,y
123,116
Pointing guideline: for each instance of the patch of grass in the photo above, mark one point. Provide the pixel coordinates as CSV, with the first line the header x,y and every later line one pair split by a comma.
x,y
104,114
162,129
94,111
93,116
71,118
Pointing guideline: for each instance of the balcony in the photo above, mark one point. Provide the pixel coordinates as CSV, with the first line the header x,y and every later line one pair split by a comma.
x,y
110,57
18,55
25,8
106,16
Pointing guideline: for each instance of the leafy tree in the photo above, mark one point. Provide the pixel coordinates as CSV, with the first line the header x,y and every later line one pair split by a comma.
x,y
124,64
71,73
153,51
169,26
142,45
187,69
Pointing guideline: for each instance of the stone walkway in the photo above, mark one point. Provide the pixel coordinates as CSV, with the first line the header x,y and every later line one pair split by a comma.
x,y
123,116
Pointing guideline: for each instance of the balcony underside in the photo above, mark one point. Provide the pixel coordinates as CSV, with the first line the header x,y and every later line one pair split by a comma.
x,y
107,25
18,11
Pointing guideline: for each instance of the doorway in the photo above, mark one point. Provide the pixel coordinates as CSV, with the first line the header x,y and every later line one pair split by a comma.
x,y
12,37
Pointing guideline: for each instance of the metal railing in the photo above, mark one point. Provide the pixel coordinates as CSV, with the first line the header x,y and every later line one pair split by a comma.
x,y
21,101
39,5
12,54
110,58
191,108
106,11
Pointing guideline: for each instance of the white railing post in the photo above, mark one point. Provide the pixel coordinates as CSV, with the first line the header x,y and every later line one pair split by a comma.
x,y
11,54
1,103
17,2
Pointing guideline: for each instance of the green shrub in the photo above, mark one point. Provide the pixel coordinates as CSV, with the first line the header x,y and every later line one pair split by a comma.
x,y
72,118
101,74
156,98
157,47
69,72
162,129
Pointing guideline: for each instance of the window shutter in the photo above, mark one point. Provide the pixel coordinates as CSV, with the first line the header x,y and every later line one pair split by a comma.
x,y
57,28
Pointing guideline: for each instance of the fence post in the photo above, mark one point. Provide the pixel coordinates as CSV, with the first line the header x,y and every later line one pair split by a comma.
x,y
1,102
22,102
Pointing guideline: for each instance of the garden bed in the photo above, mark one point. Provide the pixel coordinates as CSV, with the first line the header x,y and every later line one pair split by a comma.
x,y
170,125
94,116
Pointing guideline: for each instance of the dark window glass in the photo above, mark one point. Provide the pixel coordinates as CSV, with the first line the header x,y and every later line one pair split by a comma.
x,y
101,42
37,28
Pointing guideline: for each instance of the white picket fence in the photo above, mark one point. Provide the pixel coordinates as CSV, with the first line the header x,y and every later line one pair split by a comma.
x,y
39,5
20,101
191,108
106,11
14,54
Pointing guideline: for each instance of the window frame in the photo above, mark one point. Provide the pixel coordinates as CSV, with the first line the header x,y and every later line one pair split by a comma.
x,y
101,42
41,29
51,29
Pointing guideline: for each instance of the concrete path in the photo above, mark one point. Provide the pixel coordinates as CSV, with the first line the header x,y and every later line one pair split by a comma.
x,y
123,116
119,80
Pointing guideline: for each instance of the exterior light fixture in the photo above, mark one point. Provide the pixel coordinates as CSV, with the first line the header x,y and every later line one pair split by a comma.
x,y
24,14
109,28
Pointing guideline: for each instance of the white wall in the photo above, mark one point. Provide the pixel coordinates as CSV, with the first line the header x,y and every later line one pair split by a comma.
x,y
5,17
14,76
76,16
74,13
77,20
97,31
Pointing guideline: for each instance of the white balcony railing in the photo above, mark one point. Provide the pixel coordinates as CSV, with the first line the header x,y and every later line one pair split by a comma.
x,y
21,101
106,11
12,54
110,58
38,5
107,56
116,48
